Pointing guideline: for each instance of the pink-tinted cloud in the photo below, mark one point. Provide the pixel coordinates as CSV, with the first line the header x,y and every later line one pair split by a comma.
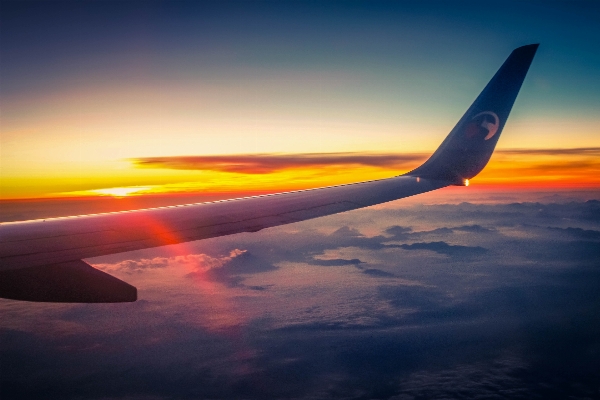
x,y
199,262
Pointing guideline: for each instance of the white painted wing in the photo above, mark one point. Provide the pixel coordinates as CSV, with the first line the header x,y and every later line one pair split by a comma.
x,y
41,260
57,240
52,249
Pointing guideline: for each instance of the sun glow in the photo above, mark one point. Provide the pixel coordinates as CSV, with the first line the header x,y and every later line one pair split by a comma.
x,y
120,191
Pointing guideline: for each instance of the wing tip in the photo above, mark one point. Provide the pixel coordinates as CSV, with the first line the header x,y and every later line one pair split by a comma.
x,y
528,46
469,146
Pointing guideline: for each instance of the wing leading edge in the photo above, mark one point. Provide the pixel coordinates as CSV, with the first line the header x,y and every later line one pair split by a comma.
x,y
41,260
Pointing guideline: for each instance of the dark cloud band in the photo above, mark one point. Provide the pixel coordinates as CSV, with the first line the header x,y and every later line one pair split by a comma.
x,y
580,151
268,163
274,162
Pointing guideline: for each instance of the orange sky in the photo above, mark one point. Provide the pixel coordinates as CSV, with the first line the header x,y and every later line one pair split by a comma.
x,y
90,140
237,175
269,117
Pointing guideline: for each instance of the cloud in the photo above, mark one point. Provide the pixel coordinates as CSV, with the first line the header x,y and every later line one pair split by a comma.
x,y
497,378
417,298
399,232
540,167
545,167
578,232
229,269
472,229
585,151
591,211
202,261
518,321
273,162
346,232
405,233
351,237
447,249
258,287
562,251
338,262
378,273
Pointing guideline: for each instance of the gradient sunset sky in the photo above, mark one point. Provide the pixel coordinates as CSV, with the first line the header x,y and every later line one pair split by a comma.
x,y
103,95
486,291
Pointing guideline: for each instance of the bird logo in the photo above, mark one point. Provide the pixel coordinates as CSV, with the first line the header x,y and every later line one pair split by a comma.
x,y
486,122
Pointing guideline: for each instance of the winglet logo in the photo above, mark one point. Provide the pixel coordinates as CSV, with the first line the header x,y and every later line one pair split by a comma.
x,y
486,120
492,127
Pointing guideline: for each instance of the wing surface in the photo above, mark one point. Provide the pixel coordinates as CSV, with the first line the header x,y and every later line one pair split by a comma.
x,y
41,260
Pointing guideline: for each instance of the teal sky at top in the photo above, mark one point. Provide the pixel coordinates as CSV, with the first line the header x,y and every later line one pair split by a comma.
x,y
382,60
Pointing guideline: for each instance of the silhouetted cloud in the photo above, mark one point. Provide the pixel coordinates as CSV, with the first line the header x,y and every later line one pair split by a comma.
x,y
572,250
399,232
338,262
271,162
268,163
578,232
445,248
561,166
346,237
587,151
472,228
378,273
230,269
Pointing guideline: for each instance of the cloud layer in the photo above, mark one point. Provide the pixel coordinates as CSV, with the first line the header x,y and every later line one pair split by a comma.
x,y
268,163
429,301
576,167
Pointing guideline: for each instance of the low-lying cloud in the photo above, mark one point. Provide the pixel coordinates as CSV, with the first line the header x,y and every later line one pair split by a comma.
x,y
226,269
529,161
200,262
273,162
445,248
429,301
579,151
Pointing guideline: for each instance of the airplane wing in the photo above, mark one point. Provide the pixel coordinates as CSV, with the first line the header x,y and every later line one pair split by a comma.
x,y
42,260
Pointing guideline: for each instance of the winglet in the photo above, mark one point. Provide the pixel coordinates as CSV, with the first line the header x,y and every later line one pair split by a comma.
x,y
469,146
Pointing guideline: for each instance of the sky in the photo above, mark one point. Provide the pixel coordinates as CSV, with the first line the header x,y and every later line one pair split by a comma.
x,y
487,291
90,91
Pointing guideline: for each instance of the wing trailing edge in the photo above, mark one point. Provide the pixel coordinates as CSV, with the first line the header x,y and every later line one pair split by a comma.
x,y
67,282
